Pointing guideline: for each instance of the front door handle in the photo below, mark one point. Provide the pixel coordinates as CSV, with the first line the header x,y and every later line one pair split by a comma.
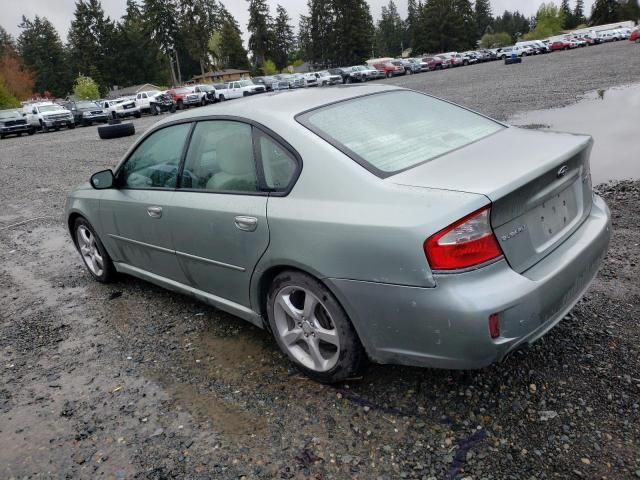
x,y
246,224
154,212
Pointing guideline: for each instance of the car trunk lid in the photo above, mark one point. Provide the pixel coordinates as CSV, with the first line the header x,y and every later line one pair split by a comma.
x,y
539,185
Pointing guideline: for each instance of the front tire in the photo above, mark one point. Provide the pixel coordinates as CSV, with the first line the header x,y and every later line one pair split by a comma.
x,y
93,253
312,329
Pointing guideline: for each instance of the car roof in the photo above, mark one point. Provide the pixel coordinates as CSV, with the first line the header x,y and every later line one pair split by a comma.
x,y
281,107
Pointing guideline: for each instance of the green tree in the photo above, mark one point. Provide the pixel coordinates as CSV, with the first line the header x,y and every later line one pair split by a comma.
x,y
232,50
91,43
413,9
549,21
7,100
389,32
283,38
269,68
483,16
303,47
6,42
41,50
495,40
260,32
140,59
321,32
85,88
199,18
567,14
354,31
446,25
161,24
578,13
514,23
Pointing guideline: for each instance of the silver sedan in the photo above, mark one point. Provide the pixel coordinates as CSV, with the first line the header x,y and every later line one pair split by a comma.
x,y
355,223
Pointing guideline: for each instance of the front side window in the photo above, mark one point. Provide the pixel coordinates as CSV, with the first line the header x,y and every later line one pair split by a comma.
x,y
414,129
220,158
155,163
278,164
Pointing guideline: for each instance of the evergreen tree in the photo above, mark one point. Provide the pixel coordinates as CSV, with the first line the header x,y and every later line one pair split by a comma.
x,y
513,23
605,11
6,42
261,34
353,32
283,38
629,10
446,25
232,52
567,14
42,52
578,13
321,33
483,16
161,23
410,22
389,32
304,38
198,19
139,57
91,42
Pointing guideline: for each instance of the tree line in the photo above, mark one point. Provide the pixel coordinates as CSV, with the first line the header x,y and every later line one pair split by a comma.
x,y
169,41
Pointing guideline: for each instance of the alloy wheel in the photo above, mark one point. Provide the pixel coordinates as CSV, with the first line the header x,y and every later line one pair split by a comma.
x,y
306,328
89,250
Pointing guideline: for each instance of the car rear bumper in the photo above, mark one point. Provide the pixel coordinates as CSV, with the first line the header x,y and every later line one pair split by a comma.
x,y
447,326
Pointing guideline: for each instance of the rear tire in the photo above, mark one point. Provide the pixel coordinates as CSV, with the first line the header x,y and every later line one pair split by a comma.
x,y
312,329
92,251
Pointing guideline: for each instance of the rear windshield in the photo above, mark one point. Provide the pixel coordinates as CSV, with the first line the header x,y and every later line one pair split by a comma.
x,y
394,131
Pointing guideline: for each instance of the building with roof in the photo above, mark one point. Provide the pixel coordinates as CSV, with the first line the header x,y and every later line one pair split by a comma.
x,y
117,92
217,76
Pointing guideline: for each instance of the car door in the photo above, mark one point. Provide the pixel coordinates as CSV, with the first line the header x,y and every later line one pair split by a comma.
x,y
220,210
135,216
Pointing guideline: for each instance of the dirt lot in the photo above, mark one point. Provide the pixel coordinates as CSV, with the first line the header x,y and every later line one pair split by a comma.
x,y
129,381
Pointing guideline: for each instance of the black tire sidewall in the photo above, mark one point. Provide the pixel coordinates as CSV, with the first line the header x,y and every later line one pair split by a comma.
x,y
108,272
352,356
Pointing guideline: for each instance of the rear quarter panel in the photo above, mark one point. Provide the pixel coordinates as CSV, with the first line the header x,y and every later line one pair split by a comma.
x,y
341,221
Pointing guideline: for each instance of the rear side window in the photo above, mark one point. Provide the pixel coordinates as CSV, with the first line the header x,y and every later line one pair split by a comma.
x,y
278,164
391,132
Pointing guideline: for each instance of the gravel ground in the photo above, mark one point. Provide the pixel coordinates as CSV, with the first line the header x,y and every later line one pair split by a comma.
x,y
130,381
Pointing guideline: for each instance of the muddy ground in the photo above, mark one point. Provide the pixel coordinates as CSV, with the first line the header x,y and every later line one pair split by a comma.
x,y
129,381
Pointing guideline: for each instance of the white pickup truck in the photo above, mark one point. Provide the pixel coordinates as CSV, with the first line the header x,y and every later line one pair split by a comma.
x,y
242,88
121,108
48,116
154,102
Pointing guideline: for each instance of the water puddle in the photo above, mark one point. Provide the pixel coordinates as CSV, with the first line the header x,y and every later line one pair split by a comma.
x,y
611,117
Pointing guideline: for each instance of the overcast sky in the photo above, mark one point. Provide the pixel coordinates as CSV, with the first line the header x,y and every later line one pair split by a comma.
x,y
60,12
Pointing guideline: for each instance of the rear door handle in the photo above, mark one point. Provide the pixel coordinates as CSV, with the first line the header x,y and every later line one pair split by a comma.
x,y
246,224
154,212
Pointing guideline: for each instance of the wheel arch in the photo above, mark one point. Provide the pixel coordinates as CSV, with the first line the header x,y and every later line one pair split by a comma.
x,y
263,280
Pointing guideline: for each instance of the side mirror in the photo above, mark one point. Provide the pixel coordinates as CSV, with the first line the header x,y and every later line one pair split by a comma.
x,y
102,180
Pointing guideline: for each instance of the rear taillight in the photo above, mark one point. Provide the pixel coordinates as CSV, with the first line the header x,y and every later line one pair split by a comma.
x,y
466,243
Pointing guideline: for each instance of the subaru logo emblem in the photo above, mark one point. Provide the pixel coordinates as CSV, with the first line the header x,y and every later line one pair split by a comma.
x,y
563,171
